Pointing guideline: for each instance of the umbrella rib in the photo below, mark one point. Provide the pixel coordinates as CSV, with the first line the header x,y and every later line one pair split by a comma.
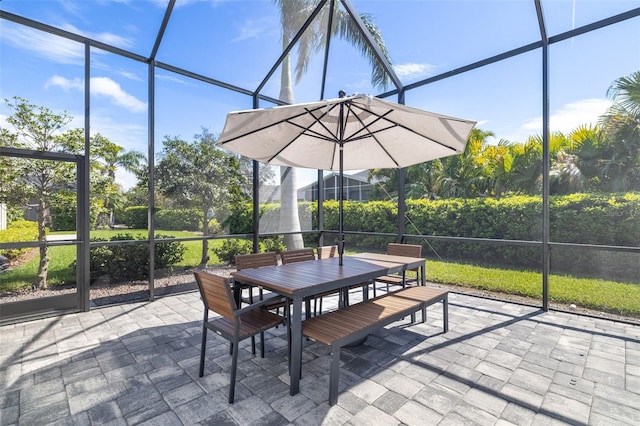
x,y
305,130
284,120
393,124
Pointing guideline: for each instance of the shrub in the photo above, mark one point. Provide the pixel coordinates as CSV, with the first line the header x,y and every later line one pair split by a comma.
x,y
599,219
179,219
63,211
136,217
17,231
131,261
274,244
229,248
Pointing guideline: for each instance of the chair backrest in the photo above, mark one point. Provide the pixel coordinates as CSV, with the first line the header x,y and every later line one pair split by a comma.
x,y
325,252
299,255
409,250
216,293
256,260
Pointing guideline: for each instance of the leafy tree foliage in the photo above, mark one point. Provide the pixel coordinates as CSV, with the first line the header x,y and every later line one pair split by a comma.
x,y
198,175
47,185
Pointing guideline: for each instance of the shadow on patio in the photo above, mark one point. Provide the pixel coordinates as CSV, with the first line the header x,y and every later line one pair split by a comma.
x,y
500,362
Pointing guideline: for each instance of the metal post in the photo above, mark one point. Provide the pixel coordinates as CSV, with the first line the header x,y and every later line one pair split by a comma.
x,y
82,207
152,200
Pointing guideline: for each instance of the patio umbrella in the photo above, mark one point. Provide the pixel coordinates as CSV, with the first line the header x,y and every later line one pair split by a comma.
x,y
347,133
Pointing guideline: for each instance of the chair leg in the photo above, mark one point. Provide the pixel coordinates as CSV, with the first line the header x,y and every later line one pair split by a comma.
x,y
203,347
234,368
261,345
307,308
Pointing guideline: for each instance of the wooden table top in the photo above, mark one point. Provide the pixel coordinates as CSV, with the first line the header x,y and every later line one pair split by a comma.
x,y
316,276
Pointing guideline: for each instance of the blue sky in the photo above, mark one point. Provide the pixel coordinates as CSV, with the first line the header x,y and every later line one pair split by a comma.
x,y
238,42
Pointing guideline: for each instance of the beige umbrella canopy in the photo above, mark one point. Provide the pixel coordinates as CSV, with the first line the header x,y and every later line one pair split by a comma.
x,y
347,133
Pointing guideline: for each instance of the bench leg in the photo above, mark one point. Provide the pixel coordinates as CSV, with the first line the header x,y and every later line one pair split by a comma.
x,y
334,375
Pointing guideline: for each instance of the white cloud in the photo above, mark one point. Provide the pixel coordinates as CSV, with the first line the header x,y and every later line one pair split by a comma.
x,y
104,86
412,71
253,29
105,37
59,49
101,86
571,116
63,83
43,44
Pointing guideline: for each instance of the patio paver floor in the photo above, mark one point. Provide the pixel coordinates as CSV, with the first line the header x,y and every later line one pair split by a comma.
x,y
500,363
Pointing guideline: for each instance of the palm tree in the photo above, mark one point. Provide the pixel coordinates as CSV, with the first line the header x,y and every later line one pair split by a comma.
x,y
589,147
497,161
621,123
462,176
293,13
110,157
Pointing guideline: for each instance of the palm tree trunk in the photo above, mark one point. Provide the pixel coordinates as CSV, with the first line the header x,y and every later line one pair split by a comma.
x,y
289,218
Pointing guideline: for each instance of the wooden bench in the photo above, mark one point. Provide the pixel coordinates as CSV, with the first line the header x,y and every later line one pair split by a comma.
x,y
354,322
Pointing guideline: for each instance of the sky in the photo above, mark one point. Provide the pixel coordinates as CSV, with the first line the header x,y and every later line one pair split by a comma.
x,y
237,42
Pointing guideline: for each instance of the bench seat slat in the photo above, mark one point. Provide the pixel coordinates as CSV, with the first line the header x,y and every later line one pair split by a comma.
x,y
328,328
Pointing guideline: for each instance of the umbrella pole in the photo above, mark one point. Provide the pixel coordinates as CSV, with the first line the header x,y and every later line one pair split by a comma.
x,y
340,214
341,184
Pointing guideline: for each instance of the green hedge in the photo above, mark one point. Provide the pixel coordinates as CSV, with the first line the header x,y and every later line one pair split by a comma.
x,y
178,219
63,211
18,231
136,217
600,219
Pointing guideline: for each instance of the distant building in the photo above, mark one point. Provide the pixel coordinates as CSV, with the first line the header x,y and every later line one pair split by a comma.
x,y
356,187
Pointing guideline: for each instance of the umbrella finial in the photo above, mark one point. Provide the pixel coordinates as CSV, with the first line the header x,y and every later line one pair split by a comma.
x,y
342,94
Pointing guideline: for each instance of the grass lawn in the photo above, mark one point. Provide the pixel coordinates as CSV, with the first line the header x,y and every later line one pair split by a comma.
x,y
608,296
62,258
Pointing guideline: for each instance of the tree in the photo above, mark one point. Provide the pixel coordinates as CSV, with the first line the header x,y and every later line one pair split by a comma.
x,y
108,156
37,128
198,175
621,123
293,13
463,175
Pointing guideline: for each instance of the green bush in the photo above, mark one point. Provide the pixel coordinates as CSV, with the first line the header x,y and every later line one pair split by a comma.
x,y
63,211
136,217
23,224
17,231
131,261
239,219
274,244
229,248
179,219
599,219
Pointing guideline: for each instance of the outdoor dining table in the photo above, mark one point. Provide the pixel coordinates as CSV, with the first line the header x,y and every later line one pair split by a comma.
x,y
303,279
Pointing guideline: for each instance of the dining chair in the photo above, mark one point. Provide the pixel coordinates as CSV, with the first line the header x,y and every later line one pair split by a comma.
x,y
249,261
300,255
233,323
400,279
257,260
297,255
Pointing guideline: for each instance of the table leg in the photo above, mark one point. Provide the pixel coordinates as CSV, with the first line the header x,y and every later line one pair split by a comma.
x,y
296,346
